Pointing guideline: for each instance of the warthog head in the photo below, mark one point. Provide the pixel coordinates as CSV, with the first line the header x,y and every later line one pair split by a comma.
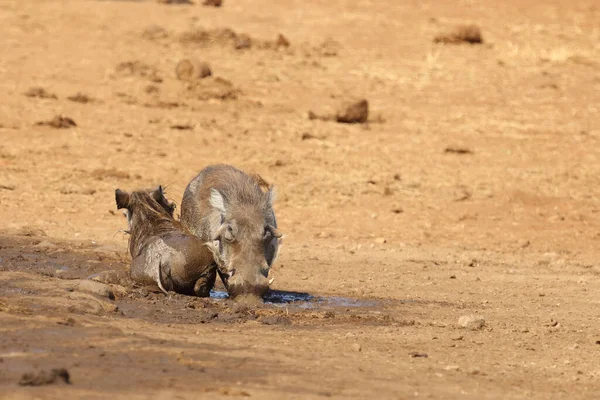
x,y
246,242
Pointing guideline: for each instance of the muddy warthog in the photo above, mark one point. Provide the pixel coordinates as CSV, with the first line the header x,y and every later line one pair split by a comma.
x,y
163,251
227,206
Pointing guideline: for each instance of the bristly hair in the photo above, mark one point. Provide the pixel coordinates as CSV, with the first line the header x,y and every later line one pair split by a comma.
x,y
151,219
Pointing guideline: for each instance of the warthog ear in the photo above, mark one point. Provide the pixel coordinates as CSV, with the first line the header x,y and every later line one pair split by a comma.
x,y
159,192
274,231
217,200
122,198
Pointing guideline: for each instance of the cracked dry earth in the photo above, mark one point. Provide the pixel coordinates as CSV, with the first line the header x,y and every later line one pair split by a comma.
x,y
472,190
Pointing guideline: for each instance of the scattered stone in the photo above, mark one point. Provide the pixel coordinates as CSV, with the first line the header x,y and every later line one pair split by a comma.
x,y
472,322
30,231
452,276
417,354
213,3
183,127
8,187
282,41
242,41
45,377
151,89
46,245
40,93
67,322
329,48
155,32
397,210
356,347
381,240
101,289
58,122
190,70
80,98
213,88
353,111
452,368
474,371
175,2
524,243
457,150
138,68
461,34
275,320
456,337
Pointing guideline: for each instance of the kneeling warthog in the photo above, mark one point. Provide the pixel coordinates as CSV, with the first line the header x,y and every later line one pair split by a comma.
x,y
229,207
163,251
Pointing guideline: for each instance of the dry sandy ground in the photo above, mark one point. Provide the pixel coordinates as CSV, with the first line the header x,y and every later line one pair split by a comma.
x,y
474,189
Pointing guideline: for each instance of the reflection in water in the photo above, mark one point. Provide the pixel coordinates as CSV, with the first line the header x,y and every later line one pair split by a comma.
x,y
302,300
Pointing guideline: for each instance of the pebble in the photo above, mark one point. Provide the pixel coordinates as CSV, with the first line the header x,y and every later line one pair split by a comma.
x,y
472,322
356,347
456,337
101,289
353,111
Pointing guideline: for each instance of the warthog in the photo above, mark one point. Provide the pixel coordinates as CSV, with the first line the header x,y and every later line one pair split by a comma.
x,y
163,251
229,207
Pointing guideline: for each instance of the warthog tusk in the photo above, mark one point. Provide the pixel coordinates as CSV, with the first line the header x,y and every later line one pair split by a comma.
x,y
271,280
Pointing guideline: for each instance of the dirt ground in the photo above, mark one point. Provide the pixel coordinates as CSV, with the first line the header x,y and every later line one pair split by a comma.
x,y
473,189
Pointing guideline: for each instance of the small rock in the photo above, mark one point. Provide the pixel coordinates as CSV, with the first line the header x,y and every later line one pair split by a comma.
x,y
356,347
190,70
456,337
353,111
418,354
40,93
381,240
242,41
68,322
472,322
461,34
101,289
45,377
452,368
213,3
474,371
80,98
282,41
524,243
175,2
58,122
46,245
458,150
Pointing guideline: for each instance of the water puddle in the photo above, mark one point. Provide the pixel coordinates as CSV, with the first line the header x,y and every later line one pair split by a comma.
x,y
280,298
